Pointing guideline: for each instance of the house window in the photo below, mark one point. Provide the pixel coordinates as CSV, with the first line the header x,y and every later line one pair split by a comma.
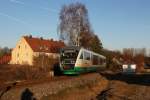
x,y
18,55
19,46
46,48
41,47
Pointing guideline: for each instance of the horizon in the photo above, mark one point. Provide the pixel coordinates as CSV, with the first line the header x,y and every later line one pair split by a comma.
x,y
121,24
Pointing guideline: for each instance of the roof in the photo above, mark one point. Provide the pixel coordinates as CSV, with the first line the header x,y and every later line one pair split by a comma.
x,y
5,59
43,45
70,48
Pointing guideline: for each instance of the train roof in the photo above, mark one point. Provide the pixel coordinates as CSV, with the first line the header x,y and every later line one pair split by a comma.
x,y
93,53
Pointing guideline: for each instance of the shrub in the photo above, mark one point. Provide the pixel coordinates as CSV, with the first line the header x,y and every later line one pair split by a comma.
x,y
28,73
45,62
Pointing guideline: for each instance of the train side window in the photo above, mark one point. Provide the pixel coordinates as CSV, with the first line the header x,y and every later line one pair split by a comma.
x,y
95,60
104,61
81,56
86,56
91,56
100,61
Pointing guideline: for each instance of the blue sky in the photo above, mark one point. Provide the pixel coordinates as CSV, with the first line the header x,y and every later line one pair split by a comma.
x,y
118,23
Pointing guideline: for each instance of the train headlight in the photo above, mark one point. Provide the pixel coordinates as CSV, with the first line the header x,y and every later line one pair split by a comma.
x,y
133,66
125,66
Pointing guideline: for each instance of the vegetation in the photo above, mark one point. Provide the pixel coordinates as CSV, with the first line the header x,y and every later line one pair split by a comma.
x,y
75,29
44,62
111,58
4,51
26,72
95,44
73,21
22,72
134,56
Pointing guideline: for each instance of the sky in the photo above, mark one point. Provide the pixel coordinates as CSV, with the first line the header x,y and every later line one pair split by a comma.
x,y
118,23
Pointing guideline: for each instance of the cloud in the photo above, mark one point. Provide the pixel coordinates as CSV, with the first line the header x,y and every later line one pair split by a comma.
x,y
42,8
49,9
17,1
14,19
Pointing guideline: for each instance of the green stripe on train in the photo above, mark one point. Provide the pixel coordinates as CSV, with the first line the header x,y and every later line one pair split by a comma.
x,y
78,70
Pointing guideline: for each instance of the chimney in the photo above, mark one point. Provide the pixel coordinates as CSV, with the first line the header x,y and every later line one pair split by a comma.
x,y
60,40
30,36
52,40
41,38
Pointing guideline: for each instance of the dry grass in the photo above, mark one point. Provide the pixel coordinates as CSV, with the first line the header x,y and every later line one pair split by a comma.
x,y
9,73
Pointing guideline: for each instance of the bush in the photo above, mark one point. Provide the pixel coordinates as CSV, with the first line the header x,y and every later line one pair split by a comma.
x,y
10,73
45,62
29,73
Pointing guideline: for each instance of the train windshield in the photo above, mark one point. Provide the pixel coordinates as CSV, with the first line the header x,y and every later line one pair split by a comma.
x,y
67,54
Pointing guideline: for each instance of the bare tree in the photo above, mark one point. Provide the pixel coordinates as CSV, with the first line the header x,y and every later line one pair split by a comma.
x,y
128,54
74,23
4,51
44,62
136,56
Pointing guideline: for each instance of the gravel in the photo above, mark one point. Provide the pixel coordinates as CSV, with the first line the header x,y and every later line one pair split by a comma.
x,y
51,87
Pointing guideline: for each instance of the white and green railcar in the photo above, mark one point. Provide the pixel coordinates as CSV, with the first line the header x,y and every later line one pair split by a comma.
x,y
74,60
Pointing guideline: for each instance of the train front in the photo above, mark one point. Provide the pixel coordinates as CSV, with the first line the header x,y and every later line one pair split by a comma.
x,y
68,58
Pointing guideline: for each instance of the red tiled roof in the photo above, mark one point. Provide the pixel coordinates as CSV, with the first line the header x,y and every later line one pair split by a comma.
x,y
5,59
42,45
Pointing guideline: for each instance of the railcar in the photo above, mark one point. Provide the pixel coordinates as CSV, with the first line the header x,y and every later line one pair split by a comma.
x,y
75,60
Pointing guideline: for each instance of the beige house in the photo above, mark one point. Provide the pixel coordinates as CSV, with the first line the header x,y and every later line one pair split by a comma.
x,y
28,47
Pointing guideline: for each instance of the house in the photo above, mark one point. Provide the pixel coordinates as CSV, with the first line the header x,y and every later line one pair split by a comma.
x,y
129,68
28,47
